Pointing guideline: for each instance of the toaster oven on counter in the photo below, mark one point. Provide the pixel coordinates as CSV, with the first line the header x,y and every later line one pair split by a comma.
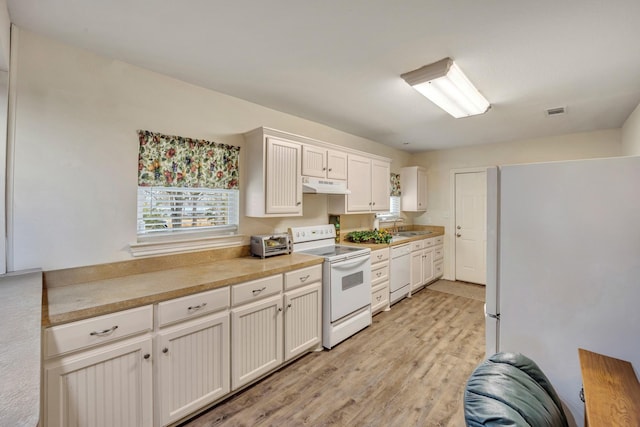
x,y
264,245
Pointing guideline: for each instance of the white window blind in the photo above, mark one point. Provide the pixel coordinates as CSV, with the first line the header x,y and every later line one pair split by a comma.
x,y
171,210
394,212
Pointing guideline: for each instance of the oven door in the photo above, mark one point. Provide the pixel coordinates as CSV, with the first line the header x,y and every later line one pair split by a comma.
x,y
350,286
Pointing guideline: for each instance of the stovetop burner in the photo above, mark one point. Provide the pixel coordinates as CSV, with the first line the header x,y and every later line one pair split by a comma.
x,y
335,250
319,240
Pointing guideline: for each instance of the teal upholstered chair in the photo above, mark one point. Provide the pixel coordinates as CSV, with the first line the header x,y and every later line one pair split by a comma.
x,y
509,389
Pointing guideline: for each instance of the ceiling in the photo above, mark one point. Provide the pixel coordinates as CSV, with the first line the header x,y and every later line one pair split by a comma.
x,y
338,62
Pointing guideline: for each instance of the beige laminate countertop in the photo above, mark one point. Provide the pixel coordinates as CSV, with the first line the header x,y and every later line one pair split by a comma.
x,y
20,314
83,300
375,246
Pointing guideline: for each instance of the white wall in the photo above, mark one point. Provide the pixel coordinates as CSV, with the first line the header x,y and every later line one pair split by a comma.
x,y
76,150
605,143
631,134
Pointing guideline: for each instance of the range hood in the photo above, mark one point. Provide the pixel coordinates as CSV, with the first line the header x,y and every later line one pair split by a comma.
x,y
323,186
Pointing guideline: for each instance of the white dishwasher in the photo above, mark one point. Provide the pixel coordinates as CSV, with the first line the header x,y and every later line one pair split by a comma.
x,y
400,275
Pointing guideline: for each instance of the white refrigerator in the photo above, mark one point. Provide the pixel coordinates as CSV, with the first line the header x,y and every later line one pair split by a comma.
x,y
563,254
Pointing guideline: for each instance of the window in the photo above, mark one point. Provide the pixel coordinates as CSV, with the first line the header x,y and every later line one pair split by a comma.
x,y
394,198
169,209
186,186
394,212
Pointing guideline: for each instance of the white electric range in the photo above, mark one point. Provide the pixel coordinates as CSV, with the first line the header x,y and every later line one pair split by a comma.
x,y
346,281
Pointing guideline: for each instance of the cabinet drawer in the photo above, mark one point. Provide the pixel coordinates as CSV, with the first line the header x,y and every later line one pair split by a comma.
x,y
379,256
256,289
430,242
193,306
438,253
304,276
379,299
417,245
97,330
439,240
379,273
438,270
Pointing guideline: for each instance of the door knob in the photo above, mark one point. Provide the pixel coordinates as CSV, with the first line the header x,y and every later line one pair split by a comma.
x,y
458,235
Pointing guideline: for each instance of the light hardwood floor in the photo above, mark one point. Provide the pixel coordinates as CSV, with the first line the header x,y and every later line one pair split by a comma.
x,y
408,369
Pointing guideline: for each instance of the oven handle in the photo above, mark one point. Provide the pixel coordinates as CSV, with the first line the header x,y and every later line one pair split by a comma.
x,y
350,263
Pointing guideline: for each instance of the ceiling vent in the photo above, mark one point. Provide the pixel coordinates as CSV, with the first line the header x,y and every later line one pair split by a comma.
x,y
558,111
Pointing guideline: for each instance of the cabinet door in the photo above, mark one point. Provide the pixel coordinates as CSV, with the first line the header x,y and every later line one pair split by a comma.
x,y
194,369
256,340
359,182
422,189
336,165
427,266
283,177
302,319
314,161
108,386
417,260
380,182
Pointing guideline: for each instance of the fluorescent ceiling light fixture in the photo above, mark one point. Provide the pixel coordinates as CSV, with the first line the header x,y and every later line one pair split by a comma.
x,y
446,86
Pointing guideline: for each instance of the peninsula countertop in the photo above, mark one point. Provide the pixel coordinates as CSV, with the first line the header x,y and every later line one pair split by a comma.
x,y
63,304
20,339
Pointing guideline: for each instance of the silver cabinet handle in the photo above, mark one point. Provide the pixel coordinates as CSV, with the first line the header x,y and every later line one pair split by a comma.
x,y
380,256
379,273
146,356
324,169
330,169
458,227
165,350
458,235
196,307
279,308
304,278
104,332
257,291
289,305
298,203
379,297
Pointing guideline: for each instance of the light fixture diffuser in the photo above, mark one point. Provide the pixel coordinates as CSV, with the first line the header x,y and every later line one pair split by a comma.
x,y
446,86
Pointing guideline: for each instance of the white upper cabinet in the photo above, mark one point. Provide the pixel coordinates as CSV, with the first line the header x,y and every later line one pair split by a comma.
x,y
380,185
284,181
336,165
359,182
413,182
368,180
323,163
274,176
276,161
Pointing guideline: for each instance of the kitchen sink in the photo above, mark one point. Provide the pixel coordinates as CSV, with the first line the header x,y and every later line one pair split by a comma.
x,y
397,238
413,233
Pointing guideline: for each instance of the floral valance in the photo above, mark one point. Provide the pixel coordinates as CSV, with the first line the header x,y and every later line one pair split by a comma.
x,y
175,161
395,185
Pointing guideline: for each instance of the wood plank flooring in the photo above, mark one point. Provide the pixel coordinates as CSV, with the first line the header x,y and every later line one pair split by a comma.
x,y
408,369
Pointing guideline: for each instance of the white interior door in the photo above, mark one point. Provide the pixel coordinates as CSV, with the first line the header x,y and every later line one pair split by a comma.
x,y
470,226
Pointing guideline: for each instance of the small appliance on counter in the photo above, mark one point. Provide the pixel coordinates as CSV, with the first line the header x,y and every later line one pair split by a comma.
x,y
264,245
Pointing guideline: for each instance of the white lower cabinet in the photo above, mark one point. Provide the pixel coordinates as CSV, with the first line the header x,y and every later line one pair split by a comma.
x,y
256,340
302,319
379,280
112,370
192,366
422,265
271,329
110,385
